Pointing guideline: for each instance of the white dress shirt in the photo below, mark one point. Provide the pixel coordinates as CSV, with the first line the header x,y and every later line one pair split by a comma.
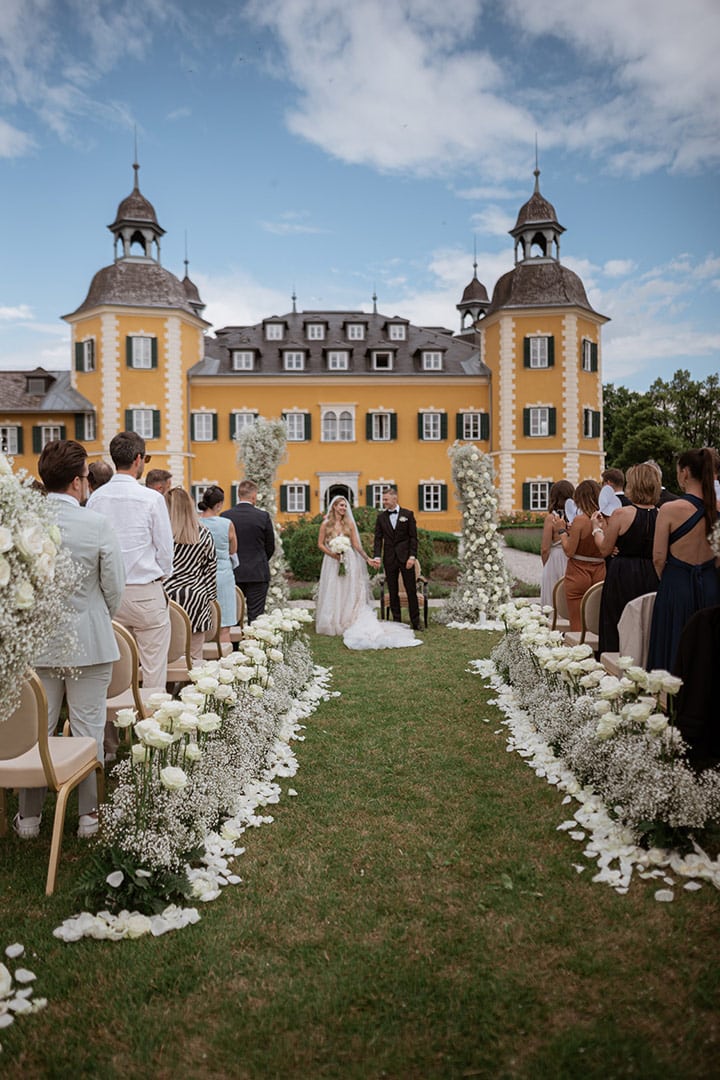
x,y
140,518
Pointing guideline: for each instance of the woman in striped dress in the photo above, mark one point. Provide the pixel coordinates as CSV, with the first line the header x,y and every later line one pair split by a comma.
x,y
193,582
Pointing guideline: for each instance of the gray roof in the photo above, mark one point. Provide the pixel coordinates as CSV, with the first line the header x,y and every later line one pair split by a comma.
x,y
59,396
541,283
459,357
136,282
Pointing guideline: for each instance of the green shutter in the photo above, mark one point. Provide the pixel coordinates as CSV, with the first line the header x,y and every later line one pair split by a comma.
x,y
129,352
552,421
79,356
19,440
443,496
443,425
593,356
307,498
484,425
79,426
459,425
153,352
420,426
283,497
215,427
596,425
368,495
193,433
393,426
526,352
308,426
526,496
233,494
63,431
526,421
128,420
551,351
156,423
369,426
421,497
232,425
37,438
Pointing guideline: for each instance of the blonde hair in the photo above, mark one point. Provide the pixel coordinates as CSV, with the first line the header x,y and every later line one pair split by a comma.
x,y
183,518
333,522
643,484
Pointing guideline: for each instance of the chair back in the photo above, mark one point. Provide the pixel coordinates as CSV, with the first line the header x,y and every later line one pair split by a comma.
x,y
560,608
590,609
180,635
241,607
213,631
402,591
126,671
21,731
634,628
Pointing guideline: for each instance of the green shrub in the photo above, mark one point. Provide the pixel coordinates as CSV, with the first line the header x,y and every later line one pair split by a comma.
x,y
524,539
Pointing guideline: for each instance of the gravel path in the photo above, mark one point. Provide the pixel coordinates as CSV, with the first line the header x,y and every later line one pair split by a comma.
x,y
523,565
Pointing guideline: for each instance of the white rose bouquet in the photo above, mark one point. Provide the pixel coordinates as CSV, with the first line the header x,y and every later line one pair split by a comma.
x,y
340,545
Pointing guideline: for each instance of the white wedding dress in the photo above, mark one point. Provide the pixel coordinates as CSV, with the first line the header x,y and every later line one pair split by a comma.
x,y
345,606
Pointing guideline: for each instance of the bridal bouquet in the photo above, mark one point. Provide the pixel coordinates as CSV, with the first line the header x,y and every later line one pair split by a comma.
x,y
340,545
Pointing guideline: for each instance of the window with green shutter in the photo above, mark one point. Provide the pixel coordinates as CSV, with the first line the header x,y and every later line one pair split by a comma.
x,y
539,351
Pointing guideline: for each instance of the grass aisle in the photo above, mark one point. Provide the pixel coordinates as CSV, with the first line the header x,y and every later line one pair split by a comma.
x,y
413,913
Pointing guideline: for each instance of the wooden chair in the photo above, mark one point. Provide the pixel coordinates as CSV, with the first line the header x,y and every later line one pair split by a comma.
x,y
561,616
179,662
589,619
30,758
422,591
124,691
214,648
237,632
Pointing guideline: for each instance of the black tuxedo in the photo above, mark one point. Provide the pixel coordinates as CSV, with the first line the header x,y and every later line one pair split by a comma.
x,y
255,545
397,545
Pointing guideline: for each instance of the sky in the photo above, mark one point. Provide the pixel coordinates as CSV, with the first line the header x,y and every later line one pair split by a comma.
x,y
338,149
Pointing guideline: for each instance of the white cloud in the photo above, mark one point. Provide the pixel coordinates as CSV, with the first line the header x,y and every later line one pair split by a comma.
x,y
493,221
18,313
235,298
292,223
618,267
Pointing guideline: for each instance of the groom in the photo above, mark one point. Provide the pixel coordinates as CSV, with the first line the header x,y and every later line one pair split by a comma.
x,y
396,539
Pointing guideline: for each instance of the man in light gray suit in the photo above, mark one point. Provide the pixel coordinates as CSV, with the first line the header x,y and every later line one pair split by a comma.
x,y
79,670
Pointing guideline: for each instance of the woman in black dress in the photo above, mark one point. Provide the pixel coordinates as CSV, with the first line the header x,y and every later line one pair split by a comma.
x,y
193,582
629,532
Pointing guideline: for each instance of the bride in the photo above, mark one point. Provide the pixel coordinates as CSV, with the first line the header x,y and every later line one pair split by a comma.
x,y
344,599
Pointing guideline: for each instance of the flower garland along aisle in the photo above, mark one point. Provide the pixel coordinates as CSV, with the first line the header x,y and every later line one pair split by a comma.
x,y
261,448
483,583
609,744
36,577
199,769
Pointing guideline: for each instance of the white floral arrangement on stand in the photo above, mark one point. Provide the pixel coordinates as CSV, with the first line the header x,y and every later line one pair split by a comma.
x,y
340,545
483,583
36,577
199,770
609,743
261,448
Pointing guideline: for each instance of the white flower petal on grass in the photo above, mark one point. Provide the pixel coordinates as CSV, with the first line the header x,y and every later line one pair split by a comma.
x,y
692,886
22,975
291,791
5,982
13,951
664,895
115,879
6,1019
19,1005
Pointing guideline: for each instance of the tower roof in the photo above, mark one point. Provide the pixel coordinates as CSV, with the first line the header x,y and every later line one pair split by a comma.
x,y
135,209
540,284
474,291
130,283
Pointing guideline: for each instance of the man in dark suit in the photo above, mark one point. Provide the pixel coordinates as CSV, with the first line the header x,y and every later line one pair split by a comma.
x,y
255,545
396,539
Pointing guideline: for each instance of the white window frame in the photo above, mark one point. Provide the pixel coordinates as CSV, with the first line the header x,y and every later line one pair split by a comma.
x,y
432,360
88,354
141,352
397,332
384,354
471,422
198,490
293,360
539,421
274,331
295,498
588,415
587,354
539,494
315,331
432,426
355,331
142,422
242,418
432,498
202,426
381,426
243,360
9,441
338,360
337,424
89,427
295,426
376,493
539,352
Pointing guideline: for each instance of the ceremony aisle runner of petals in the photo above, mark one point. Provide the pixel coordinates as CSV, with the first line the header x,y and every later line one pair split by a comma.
x,y
606,744
16,993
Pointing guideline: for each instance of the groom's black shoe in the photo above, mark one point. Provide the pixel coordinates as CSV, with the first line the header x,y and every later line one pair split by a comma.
x,y
416,626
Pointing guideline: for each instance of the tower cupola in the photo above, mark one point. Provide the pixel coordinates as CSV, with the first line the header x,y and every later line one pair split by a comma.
x,y
475,301
135,228
537,230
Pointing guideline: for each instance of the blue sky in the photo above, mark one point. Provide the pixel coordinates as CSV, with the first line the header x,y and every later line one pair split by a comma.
x,y
337,148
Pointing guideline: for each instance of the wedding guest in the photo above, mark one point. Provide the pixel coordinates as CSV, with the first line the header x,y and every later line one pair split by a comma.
x,y
223,533
553,557
397,541
585,567
631,529
255,546
140,519
612,495
99,472
665,495
159,480
684,560
78,670
193,582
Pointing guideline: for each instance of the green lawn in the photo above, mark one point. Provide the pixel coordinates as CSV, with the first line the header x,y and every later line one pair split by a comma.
x,y
413,913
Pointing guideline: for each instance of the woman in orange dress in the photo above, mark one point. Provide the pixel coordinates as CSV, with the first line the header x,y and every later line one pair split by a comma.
x,y
585,566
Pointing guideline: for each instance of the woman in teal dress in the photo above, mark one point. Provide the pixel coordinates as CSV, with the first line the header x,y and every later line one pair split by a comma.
x,y
682,556
223,533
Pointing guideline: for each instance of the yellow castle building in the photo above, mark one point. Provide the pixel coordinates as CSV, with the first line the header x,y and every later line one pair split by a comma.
x,y
368,398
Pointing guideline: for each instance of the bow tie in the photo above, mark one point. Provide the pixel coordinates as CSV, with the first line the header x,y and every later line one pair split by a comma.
x,y
391,512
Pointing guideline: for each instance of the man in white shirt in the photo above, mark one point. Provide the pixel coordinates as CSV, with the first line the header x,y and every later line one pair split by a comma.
x,y
142,524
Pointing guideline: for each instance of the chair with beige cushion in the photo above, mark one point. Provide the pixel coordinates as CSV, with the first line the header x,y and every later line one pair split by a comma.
x,y
30,758
237,632
179,661
589,619
214,648
561,615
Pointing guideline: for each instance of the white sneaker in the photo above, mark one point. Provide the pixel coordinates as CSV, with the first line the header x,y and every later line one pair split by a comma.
x,y
88,825
27,828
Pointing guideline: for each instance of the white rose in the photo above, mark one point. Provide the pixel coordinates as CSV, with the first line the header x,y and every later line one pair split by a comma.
x,y
256,691
6,541
24,596
192,752
157,738
44,568
140,753
208,722
657,723
172,778
671,684
4,571
125,718
144,727
206,685
186,722
602,707
29,541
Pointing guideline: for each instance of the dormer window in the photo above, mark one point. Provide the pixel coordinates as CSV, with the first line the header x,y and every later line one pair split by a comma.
x,y
243,360
36,385
356,331
432,360
273,331
338,360
397,331
382,361
293,360
315,331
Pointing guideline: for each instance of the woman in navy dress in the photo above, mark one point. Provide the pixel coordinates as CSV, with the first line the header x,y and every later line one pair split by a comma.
x,y
683,557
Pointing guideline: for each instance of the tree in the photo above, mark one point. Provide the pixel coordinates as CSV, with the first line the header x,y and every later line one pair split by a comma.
x,y
690,409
